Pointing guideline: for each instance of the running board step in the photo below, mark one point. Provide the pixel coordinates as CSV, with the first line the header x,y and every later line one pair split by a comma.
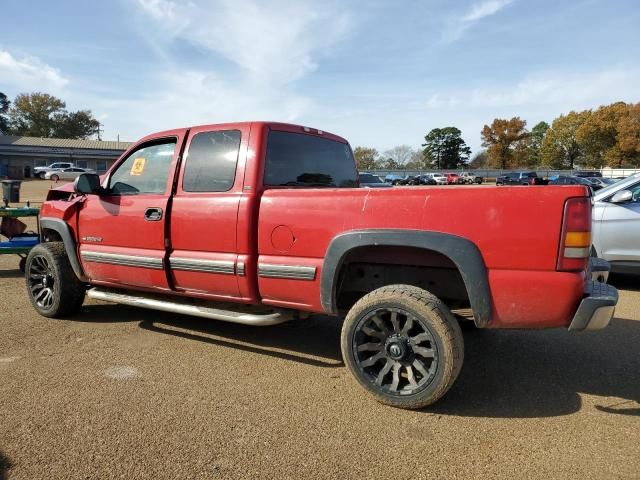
x,y
196,308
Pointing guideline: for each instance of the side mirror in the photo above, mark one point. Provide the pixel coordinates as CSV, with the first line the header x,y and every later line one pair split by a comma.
x,y
87,183
622,196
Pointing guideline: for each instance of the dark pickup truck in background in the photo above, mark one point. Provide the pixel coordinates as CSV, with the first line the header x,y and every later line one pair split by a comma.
x,y
520,178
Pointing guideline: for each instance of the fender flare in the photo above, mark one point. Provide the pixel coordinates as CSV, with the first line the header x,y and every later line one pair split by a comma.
x,y
462,252
60,226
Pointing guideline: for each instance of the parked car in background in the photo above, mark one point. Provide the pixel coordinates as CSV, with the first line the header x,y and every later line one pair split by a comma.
x,y
571,180
602,181
520,178
369,180
452,178
470,178
427,179
616,224
394,179
588,174
66,173
439,178
40,171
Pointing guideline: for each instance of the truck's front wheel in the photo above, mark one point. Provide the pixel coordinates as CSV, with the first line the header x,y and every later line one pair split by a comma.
x,y
403,345
52,285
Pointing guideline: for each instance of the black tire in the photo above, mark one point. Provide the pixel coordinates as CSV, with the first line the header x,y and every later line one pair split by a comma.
x,y
41,176
428,372
52,286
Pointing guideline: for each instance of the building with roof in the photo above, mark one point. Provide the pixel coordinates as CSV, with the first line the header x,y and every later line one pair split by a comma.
x,y
20,155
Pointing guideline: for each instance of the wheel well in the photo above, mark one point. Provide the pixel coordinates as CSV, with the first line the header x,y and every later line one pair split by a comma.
x,y
50,235
367,268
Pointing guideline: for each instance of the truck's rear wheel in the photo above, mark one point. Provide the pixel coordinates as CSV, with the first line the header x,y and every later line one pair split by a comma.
x,y
403,345
52,285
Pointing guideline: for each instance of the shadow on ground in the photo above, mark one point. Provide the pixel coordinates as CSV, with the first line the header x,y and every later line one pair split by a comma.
x,y
11,273
5,466
522,373
625,281
507,374
314,341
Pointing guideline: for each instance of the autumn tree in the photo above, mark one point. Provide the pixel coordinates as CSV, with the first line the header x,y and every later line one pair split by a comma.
x,y
609,136
629,136
446,148
366,158
506,142
4,108
560,146
43,115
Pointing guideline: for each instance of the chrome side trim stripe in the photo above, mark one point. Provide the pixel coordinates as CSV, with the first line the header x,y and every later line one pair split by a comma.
x,y
295,272
120,259
240,269
200,265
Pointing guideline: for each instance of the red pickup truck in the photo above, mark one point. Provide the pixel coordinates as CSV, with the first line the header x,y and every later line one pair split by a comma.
x,y
259,223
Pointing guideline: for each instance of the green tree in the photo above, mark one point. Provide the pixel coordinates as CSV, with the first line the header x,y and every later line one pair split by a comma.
x,y
366,158
506,142
446,148
560,146
4,108
534,157
43,115
80,124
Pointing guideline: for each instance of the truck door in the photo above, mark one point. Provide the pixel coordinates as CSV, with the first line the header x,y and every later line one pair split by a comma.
x,y
204,213
122,231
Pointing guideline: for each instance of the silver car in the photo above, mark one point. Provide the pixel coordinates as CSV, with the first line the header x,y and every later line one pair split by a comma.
x,y
616,224
67,173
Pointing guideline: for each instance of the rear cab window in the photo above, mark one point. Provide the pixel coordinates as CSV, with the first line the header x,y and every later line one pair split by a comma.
x,y
301,160
211,161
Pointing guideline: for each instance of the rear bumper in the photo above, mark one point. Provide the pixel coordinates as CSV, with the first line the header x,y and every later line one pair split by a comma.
x,y
598,306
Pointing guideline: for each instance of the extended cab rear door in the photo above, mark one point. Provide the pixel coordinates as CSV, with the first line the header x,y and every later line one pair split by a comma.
x,y
122,231
204,212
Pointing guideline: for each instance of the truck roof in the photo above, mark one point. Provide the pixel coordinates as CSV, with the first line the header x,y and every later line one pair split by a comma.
x,y
290,127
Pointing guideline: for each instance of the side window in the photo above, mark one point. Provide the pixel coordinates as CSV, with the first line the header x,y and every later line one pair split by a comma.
x,y
146,170
636,192
295,159
211,161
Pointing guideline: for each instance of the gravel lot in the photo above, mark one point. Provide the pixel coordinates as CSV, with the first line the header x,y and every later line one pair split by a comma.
x,y
118,392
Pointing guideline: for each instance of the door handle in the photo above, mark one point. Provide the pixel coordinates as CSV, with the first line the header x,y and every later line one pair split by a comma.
x,y
153,214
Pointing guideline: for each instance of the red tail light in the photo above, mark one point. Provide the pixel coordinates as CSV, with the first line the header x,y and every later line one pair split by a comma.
x,y
575,241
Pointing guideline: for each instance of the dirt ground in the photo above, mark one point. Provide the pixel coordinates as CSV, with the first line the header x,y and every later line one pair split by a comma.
x,y
119,392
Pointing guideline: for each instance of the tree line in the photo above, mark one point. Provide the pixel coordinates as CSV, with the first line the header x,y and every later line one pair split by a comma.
x,y
43,115
606,136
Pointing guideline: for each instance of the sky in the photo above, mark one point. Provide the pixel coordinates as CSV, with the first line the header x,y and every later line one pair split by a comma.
x,y
379,73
